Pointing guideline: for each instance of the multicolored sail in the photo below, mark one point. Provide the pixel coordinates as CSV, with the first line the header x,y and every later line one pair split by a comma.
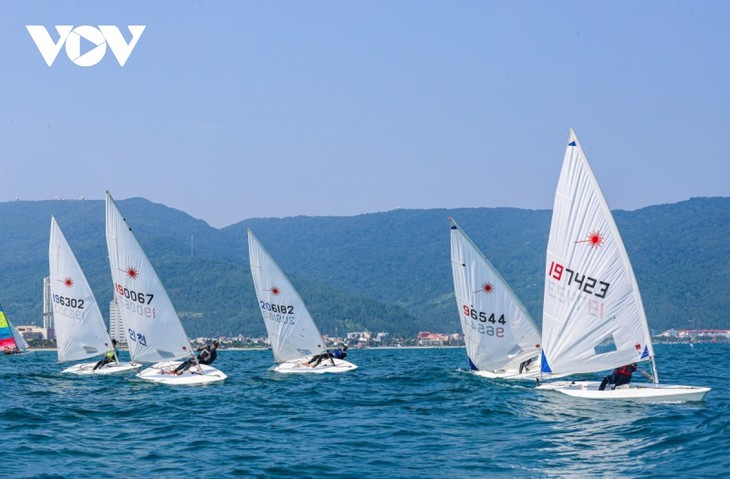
x,y
291,329
593,316
10,338
498,331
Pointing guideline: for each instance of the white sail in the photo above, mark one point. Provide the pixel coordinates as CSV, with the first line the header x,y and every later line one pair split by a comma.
x,y
20,341
498,330
154,331
79,325
593,317
291,329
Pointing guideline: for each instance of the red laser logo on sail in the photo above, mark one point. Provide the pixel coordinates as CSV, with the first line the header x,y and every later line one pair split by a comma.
x,y
132,273
486,288
274,290
68,282
595,239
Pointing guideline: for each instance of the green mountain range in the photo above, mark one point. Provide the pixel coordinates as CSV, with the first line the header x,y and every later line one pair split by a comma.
x,y
382,271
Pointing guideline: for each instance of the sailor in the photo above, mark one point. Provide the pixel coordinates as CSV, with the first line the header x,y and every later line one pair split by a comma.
x,y
524,365
621,376
339,353
206,355
111,356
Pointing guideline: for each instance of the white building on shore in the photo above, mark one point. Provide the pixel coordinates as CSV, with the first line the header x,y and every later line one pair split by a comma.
x,y
116,326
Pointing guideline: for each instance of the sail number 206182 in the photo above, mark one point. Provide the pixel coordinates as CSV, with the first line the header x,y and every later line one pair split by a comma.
x,y
281,313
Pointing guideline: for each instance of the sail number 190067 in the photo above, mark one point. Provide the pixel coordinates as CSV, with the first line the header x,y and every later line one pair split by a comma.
x,y
141,298
138,303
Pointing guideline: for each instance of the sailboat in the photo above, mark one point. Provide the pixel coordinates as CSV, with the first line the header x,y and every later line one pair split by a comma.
x,y
80,329
502,340
593,316
154,332
293,335
11,341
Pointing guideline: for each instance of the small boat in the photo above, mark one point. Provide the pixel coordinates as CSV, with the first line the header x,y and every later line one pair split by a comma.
x,y
593,316
292,332
502,340
11,341
154,331
79,325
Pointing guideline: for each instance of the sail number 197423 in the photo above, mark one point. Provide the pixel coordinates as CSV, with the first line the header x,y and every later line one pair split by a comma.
x,y
584,283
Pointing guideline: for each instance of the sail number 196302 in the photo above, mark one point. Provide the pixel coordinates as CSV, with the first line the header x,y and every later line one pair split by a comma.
x,y
69,307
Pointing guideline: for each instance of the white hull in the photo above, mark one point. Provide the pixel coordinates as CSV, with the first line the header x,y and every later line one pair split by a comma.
x,y
298,366
111,369
512,371
641,392
160,373
505,375
513,375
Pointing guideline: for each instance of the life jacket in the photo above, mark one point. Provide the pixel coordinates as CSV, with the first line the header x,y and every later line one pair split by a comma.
x,y
339,354
207,355
111,354
624,371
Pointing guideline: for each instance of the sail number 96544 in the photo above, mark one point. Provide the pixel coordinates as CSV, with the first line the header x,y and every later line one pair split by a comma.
x,y
481,317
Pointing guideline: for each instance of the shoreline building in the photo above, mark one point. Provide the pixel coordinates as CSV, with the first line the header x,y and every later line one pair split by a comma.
x,y
116,326
48,321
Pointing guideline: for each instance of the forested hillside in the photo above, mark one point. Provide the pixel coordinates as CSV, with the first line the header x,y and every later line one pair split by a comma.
x,y
382,271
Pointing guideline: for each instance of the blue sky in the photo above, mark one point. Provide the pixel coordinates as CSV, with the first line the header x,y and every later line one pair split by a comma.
x,y
232,110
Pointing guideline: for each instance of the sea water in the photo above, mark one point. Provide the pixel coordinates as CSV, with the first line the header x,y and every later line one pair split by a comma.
x,y
405,413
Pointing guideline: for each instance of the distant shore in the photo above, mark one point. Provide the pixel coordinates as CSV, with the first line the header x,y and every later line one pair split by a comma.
x,y
268,349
